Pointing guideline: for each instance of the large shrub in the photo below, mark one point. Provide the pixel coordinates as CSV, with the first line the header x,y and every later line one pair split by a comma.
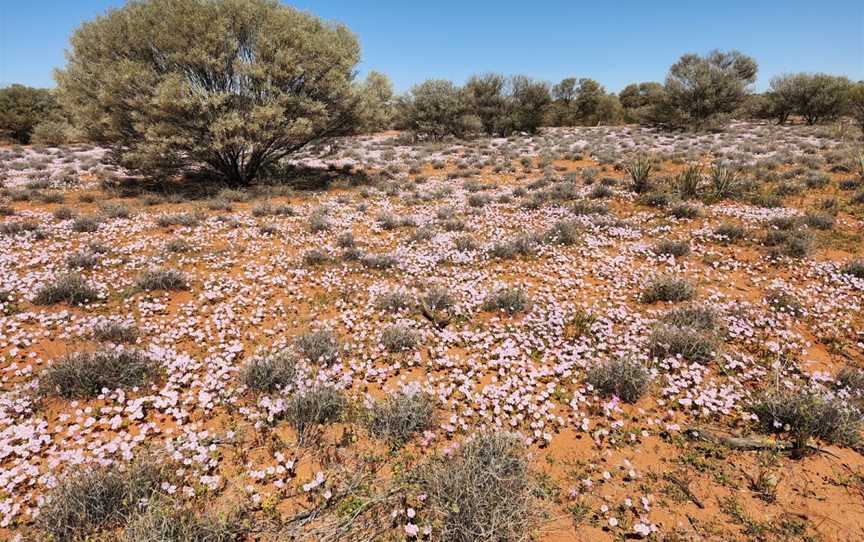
x,y
438,108
22,108
702,91
528,100
639,100
856,103
226,86
583,101
486,98
376,107
815,96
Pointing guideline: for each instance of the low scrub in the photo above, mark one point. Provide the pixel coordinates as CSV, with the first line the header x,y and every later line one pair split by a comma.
x,y
805,414
99,498
623,378
86,374
72,289
483,493
401,415
270,372
667,288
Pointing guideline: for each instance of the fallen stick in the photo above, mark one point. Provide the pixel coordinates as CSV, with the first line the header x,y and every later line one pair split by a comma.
x,y
736,442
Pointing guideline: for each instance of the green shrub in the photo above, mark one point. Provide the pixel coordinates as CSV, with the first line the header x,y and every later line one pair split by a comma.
x,y
701,92
22,108
270,80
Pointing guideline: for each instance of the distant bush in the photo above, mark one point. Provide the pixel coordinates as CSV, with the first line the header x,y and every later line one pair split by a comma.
x,y
22,109
437,108
622,377
703,91
140,80
640,101
856,104
816,97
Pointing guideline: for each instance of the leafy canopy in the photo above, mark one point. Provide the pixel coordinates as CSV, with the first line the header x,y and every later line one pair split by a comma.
x,y
225,86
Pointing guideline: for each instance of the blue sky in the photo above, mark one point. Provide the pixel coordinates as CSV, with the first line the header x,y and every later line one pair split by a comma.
x,y
615,42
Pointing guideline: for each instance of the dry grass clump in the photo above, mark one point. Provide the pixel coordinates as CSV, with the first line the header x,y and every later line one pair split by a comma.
x,y
401,415
167,521
86,374
115,332
689,343
99,498
85,224
484,493
162,279
81,260
685,210
438,298
851,378
314,406
399,338
563,232
805,414
523,245
668,247
730,232
269,372
794,243
314,257
394,301
178,219
18,227
71,288
667,288
321,346
693,316
509,299
379,261
854,268
623,377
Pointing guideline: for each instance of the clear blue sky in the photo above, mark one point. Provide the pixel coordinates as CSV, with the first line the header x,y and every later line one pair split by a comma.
x,y
615,42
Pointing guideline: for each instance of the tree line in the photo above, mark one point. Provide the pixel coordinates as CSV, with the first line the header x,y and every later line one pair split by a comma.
x,y
231,87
